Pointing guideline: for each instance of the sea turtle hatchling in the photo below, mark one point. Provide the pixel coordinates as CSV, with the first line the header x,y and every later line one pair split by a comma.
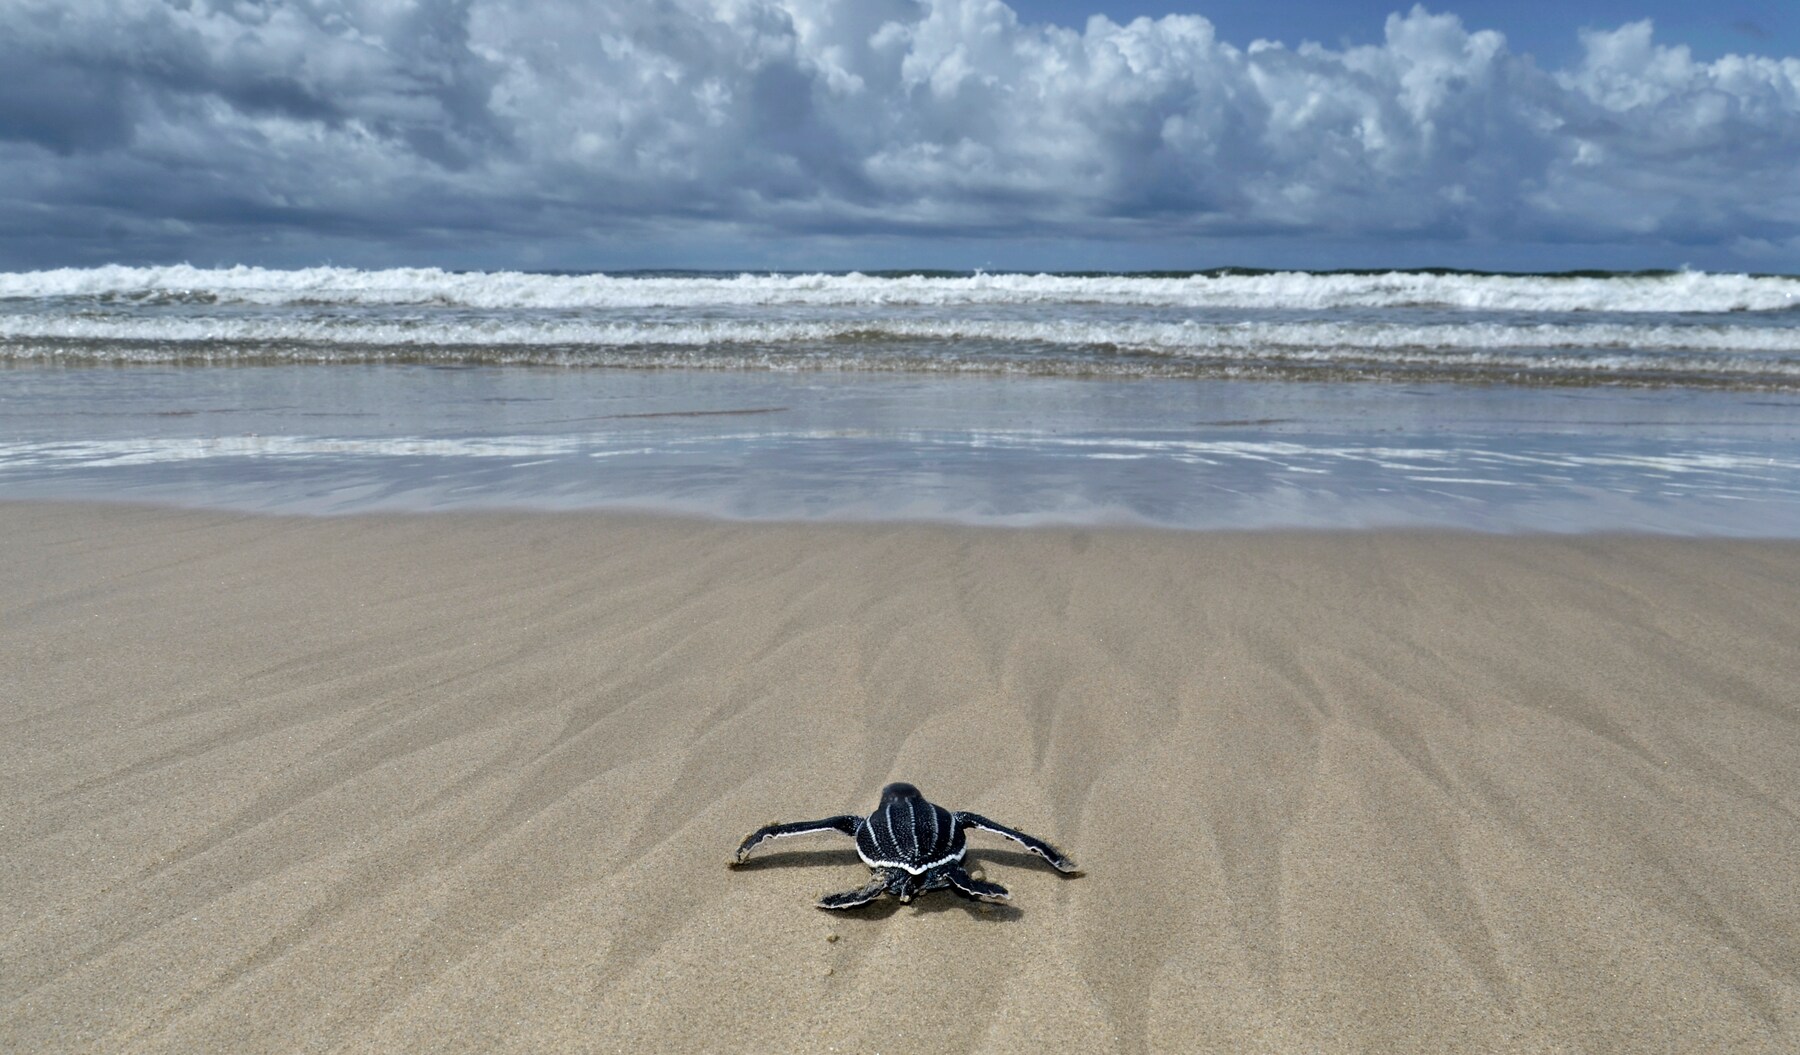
x,y
913,846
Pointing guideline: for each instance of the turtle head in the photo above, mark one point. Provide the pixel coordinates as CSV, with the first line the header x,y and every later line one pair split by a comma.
x,y
904,885
895,792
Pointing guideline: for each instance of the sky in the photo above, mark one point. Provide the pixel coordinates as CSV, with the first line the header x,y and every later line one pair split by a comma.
x,y
801,134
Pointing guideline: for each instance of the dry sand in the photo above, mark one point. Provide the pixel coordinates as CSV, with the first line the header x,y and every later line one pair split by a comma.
x,y
470,782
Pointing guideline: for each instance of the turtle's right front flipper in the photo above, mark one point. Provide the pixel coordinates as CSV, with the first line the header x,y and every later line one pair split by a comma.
x,y
846,824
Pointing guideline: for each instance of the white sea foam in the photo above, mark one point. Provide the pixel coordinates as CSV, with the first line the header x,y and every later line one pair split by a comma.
x,y
1659,293
101,454
1285,455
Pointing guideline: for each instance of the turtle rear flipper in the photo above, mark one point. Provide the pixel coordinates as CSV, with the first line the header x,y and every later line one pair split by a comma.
x,y
852,898
975,889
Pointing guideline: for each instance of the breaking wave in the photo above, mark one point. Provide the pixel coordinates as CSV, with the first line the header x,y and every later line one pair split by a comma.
x,y
1654,292
1669,328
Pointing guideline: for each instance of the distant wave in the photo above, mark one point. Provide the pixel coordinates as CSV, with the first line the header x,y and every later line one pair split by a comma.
x,y
1598,354
22,332
1660,292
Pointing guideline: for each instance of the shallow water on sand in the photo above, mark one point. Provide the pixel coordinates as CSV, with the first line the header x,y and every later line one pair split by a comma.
x,y
1192,453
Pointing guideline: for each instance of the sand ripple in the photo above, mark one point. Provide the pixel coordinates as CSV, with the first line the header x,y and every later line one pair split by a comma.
x,y
469,783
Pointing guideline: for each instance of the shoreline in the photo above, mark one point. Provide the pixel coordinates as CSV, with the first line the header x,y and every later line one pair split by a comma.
x,y
649,516
468,780
1013,452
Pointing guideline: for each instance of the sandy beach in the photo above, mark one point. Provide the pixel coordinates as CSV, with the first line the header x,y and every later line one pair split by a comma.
x,y
468,782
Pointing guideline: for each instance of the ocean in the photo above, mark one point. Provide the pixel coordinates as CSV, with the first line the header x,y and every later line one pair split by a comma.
x,y
1661,402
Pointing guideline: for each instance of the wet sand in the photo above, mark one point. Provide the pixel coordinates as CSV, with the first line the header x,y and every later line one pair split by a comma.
x,y
469,782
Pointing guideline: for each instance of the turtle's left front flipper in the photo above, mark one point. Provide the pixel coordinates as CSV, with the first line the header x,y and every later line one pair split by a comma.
x,y
1058,860
845,824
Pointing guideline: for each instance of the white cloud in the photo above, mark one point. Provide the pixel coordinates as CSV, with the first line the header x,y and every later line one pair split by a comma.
x,y
151,127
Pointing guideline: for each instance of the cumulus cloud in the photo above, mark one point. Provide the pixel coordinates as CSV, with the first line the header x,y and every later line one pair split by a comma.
x,y
162,127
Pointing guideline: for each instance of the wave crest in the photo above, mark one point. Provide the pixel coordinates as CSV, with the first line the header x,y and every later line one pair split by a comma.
x,y
1670,292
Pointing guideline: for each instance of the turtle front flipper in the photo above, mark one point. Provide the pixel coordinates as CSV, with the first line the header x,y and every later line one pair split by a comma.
x,y
975,889
852,898
1058,860
846,824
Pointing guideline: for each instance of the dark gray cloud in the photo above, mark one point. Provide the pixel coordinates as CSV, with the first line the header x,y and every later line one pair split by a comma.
x,y
495,129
